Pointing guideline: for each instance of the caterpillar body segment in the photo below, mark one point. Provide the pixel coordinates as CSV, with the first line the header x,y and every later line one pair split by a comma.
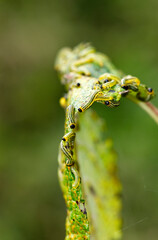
x,y
90,101
103,98
112,104
69,136
78,65
70,114
108,81
66,147
67,153
108,84
130,82
145,94
109,77
85,49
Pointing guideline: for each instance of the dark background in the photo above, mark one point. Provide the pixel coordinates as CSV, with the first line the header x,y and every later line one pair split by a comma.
x,y
32,122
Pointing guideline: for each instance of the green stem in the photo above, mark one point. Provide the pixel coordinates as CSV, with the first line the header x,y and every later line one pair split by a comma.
x,y
148,107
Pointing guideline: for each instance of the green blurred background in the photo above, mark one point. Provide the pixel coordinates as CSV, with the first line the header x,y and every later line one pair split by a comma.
x,y
32,122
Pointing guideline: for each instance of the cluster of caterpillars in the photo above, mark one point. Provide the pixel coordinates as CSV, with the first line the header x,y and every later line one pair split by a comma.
x,y
101,88
89,77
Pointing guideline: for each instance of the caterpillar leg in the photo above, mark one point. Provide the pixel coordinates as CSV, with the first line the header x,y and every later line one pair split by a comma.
x,y
108,80
130,82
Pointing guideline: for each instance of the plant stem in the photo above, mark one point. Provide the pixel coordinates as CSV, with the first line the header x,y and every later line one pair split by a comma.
x,y
148,107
